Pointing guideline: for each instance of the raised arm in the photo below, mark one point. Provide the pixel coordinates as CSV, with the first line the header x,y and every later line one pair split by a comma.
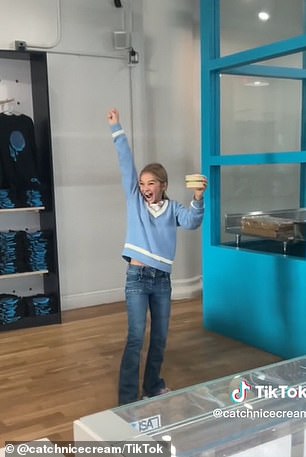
x,y
125,155
191,218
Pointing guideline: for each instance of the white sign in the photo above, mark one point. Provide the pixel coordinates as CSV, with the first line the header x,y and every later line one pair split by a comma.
x,y
147,424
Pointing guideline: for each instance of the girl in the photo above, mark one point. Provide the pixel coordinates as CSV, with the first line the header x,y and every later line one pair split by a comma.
x,y
152,221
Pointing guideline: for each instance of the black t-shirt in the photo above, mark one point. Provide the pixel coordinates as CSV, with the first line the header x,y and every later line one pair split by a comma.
x,y
18,153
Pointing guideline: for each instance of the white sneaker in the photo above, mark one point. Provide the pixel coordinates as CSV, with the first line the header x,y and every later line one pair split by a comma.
x,y
162,391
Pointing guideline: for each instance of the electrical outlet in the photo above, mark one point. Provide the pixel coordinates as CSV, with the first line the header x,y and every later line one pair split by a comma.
x,y
121,39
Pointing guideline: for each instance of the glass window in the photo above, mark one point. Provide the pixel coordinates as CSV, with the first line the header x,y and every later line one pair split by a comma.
x,y
260,115
247,24
291,61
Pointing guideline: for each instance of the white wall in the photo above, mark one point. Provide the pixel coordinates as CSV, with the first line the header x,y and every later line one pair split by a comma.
x,y
159,104
172,68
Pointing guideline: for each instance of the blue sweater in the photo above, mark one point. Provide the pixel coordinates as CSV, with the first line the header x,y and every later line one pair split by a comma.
x,y
151,237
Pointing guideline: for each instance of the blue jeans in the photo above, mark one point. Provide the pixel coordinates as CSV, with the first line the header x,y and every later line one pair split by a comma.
x,y
145,288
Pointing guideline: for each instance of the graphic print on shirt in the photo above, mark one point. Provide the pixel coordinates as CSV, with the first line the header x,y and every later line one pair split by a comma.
x,y
19,157
17,144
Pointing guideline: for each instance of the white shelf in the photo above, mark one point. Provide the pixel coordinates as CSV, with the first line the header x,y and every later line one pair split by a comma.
x,y
33,209
21,275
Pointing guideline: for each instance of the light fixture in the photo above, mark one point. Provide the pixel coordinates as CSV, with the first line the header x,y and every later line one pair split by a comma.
x,y
263,16
257,83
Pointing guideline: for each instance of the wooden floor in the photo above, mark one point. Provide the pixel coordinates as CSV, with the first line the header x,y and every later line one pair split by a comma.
x,y
52,375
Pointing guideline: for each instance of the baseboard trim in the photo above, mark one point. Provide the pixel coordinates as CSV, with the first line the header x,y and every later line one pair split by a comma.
x,y
98,297
187,288
181,289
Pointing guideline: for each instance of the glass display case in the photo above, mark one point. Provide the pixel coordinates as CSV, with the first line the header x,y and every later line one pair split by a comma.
x,y
253,134
256,413
277,231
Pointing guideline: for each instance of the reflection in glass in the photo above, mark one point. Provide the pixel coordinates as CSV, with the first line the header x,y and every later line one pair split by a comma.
x,y
260,115
242,28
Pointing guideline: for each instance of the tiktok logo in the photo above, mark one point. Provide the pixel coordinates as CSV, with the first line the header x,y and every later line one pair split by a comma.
x,y
239,395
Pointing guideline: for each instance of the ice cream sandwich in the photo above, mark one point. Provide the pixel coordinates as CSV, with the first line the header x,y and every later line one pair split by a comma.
x,y
194,181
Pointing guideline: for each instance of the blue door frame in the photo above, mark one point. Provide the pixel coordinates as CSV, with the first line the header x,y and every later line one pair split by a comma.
x,y
255,297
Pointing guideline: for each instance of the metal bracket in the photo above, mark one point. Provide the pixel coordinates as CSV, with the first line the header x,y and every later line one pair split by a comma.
x,y
20,45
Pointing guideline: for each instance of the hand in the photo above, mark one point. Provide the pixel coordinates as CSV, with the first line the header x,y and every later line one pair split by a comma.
x,y
113,116
199,191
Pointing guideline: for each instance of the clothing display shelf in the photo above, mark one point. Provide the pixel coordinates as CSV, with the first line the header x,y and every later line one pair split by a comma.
x,y
16,210
27,273
250,414
29,297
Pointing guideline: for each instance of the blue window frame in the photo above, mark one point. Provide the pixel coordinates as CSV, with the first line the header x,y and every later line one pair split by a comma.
x,y
247,63
256,297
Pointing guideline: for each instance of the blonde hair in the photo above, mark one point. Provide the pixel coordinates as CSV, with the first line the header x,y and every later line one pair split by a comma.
x,y
160,173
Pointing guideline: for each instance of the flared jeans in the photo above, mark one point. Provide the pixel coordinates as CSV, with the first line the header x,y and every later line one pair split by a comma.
x,y
146,288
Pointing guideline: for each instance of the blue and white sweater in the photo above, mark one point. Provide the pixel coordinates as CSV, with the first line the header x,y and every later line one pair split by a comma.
x,y
151,236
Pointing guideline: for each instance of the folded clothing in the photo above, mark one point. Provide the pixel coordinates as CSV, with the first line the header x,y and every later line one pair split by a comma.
x,y
12,252
40,305
8,199
12,309
38,252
